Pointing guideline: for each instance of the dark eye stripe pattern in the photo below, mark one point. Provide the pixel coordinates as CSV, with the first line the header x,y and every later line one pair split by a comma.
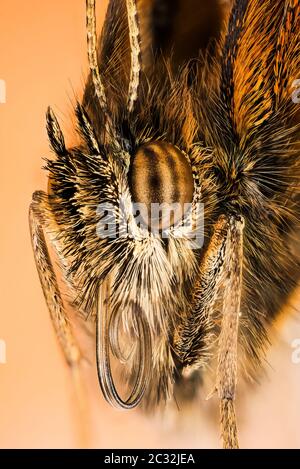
x,y
160,173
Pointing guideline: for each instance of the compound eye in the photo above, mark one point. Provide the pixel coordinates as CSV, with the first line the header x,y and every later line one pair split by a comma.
x,y
161,175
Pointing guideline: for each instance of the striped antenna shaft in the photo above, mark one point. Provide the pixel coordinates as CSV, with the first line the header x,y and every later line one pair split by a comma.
x,y
92,52
135,48
94,67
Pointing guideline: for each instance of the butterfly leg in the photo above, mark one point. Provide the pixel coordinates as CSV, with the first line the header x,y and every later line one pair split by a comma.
x,y
226,379
221,267
38,220
37,216
196,332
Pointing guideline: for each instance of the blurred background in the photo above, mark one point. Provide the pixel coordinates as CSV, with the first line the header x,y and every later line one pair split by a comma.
x,y
42,62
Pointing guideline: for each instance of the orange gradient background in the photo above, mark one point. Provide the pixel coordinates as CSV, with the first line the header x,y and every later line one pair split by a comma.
x,y
43,61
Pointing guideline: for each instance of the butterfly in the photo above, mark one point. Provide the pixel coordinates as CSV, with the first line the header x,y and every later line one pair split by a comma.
x,y
190,106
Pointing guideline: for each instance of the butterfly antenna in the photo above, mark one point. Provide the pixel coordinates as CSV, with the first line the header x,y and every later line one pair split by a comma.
x,y
135,49
94,67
